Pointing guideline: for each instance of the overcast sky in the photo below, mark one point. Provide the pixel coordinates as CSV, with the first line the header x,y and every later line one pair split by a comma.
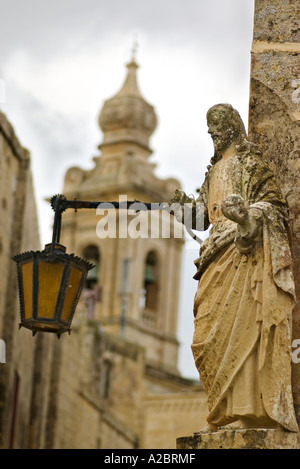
x,y
60,60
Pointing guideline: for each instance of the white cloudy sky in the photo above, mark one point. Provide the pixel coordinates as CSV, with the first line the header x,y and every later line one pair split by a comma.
x,y
60,60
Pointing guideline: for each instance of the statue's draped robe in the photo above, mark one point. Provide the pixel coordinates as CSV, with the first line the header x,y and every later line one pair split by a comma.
x,y
244,302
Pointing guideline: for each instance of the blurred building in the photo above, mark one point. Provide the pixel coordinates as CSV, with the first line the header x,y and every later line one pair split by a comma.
x,y
119,366
18,232
114,382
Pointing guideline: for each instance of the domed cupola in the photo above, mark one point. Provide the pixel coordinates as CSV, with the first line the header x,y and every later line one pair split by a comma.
x,y
127,117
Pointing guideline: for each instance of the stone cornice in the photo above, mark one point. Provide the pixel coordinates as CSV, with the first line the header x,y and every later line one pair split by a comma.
x,y
9,134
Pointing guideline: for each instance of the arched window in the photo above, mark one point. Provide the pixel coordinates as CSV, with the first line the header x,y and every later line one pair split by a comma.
x,y
151,282
92,291
92,255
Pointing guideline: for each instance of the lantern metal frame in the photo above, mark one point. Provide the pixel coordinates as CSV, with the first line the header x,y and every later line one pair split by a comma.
x,y
51,254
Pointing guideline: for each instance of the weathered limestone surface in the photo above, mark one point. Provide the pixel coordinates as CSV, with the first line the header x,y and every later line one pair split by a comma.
x,y
258,438
18,231
274,117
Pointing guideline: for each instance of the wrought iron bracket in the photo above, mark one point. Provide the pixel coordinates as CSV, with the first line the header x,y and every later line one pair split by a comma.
x,y
60,203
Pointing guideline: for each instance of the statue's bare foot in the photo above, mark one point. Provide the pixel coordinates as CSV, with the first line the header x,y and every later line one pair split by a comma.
x,y
209,428
238,424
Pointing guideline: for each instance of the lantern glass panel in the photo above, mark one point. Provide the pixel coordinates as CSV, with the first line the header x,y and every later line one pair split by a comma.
x,y
27,278
49,278
71,292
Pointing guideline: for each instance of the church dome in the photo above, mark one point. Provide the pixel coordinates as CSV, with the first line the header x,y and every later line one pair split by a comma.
x,y
127,116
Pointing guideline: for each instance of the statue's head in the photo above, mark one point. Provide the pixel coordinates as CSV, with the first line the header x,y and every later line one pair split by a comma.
x,y
225,127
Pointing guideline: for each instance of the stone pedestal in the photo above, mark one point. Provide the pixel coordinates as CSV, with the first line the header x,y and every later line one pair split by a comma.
x,y
254,438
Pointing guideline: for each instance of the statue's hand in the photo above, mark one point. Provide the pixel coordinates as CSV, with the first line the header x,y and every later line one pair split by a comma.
x,y
248,229
180,197
233,207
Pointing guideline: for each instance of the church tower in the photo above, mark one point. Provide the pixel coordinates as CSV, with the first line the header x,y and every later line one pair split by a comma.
x,y
133,291
114,383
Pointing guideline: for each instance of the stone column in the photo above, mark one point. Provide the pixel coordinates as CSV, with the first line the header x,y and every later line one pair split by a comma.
x,y
274,117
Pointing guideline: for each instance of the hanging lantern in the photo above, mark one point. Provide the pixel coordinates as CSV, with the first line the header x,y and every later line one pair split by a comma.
x,y
50,283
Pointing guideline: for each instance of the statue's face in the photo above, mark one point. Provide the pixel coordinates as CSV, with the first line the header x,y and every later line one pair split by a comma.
x,y
220,128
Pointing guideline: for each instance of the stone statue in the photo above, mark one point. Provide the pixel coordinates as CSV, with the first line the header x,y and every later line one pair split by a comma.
x,y
245,296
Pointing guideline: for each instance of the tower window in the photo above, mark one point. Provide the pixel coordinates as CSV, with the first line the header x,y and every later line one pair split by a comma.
x,y
151,282
91,254
92,292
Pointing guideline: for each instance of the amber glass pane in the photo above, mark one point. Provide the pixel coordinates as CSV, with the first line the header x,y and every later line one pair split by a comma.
x,y
50,277
72,287
27,271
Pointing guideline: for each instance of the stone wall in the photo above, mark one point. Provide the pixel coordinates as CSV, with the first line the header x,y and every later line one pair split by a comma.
x,y
102,395
172,414
98,386
274,117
